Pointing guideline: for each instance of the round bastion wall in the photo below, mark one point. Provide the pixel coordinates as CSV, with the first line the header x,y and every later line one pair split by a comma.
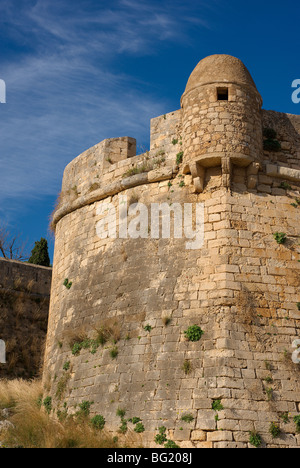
x,y
121,304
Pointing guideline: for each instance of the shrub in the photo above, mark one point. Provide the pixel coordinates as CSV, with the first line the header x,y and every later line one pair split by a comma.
x,y
134,420
76,348
171,444
272,145
84,408
121,412
98,422
193,333
139,427
161,437
269,133
217,405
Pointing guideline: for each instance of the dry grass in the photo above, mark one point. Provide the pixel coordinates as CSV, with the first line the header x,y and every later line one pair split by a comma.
x,y
108,330
34,428
57,205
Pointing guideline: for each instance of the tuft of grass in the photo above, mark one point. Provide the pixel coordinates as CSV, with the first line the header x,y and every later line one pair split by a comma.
x,y
166,320
296,420
188,418
114,352
255,439
187,367
269,392
285,185
274,430
179,157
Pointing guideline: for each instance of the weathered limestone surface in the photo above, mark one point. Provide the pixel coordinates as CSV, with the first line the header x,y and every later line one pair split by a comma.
x,y
24,307
241,287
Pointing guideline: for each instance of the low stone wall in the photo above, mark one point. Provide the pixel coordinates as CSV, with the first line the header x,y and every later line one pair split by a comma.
x,y
24,306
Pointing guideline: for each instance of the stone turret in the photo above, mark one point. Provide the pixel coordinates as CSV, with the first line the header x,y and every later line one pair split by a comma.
x,y
221,120
142,293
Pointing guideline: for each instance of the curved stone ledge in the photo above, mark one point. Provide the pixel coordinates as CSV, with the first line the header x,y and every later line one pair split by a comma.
x,y
156,175
275,170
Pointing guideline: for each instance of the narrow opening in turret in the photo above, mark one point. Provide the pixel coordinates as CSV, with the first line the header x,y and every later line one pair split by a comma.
x,y
222,94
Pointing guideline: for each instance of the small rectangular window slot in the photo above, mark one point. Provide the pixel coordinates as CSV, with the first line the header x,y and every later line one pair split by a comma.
x,y
222,94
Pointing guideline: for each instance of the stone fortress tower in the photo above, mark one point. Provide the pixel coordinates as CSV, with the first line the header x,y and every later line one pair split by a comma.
x,y
121,307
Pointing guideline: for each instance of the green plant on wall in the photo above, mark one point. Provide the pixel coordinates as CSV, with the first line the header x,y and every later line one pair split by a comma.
x,y
193,333
187,417
297,422
217,405
114,352
255,439
47,403
285,186
161,437
139,427
187,367
98,422
67,283
270,142
179,157
280,237
274,430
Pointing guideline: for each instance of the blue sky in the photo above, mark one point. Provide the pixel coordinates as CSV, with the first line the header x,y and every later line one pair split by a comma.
x,y
78,72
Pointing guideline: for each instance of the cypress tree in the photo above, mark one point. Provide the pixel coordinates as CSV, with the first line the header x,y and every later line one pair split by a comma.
x,y
39,253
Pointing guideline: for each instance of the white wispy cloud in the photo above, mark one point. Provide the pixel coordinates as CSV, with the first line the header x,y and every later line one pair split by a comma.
x,y
64,90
